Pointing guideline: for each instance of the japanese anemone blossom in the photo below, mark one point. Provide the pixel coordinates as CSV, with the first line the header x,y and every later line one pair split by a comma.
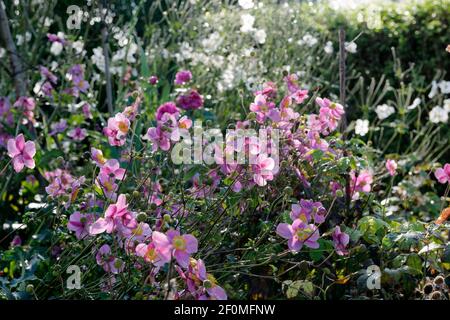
x,y
198,281
150,253
182,246
263,170
112,169
21,152
391,166
117,129
340,241
299,234
117,215
443,174
166,110
79,223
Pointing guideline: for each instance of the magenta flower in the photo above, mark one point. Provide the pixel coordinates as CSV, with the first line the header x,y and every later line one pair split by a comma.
x,y
167,110
21,152
299,234
190,101
391,166
77,134
340,241
443,174
308,209
112,169
182,77
16,241
79,223
263,170
153,80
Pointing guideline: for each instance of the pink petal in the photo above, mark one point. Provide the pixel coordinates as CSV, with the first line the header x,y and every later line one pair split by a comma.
x,y
98,227
30,149
12,149
18,163
191,243
285,230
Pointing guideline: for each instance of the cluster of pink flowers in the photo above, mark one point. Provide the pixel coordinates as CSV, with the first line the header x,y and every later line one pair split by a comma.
x,y
304,230
360,182
170,127
26,105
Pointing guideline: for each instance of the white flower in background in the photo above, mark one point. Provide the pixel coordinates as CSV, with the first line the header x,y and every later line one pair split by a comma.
x,y
362,127
98,58
247,21
27,36
308,40
384,111
37,88
19,39
184,53
2,52
246,4
78,47
128,51
56,48
350,47
438,114
447,105
415,103
260,36
328,47
444,86
212,43
48,22
434,89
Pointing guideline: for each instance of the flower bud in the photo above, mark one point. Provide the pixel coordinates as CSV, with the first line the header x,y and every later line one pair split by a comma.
x,y
30,288
207,284
167,217
339,193
142,216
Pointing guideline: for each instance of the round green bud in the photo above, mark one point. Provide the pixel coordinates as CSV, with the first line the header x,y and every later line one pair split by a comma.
x,y
167,217
339,193
142,216
288,191
207,284
136,194
251,116
30,288
153,206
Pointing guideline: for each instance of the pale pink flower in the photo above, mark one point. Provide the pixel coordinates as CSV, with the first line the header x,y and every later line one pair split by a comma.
x,y
112,169
78,134
97,156
21,152
181,246
117,129
79,223
443,174
159,137
391,166
116,216
263,169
